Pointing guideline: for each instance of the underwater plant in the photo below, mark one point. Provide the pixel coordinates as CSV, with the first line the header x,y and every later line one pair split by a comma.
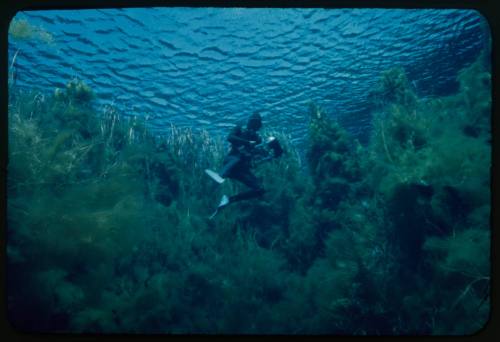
x,y
393,88
22,29
93,196
431,164
332,159
107,228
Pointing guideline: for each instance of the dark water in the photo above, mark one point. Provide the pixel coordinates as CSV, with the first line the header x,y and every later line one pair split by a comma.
x,y
373,221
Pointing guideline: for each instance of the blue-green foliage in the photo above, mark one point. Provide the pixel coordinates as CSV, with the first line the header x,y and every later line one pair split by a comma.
x,y
108,230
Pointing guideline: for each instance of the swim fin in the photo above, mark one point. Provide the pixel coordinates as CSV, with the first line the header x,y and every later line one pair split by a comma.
x,y
223,202
214,214
215,176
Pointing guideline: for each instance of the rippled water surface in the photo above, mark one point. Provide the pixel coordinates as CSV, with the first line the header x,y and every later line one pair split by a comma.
x,y
209,67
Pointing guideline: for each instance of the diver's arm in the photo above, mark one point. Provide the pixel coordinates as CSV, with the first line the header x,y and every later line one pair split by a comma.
x,y
258,140
235,137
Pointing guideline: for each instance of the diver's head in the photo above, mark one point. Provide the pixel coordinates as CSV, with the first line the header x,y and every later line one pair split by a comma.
x,y
254,122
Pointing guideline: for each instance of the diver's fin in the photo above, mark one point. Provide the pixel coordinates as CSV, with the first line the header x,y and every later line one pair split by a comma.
x,y
214,214
223,202
215,176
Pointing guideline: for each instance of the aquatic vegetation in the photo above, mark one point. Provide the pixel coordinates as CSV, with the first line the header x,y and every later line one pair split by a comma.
x,y
394,88
107,180
24,30
475,95
332,158
434,178
108,229
300,241
464,269
76,91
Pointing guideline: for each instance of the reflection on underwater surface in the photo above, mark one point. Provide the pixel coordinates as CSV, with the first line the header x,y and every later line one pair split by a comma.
x,y
209,67
108,226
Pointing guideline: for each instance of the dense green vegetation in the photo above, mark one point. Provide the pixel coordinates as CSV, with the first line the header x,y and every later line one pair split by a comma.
x,y
108,229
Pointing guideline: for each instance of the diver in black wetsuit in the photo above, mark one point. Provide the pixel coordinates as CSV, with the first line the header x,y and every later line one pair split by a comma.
x,y
238,163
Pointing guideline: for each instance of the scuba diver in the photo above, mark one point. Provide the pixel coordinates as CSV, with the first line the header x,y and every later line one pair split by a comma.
x,y
246,150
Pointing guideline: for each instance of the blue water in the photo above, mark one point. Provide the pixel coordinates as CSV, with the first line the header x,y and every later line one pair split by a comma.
x,y
209,67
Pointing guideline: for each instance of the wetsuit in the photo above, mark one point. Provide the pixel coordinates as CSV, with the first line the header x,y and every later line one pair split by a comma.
x,y
238,162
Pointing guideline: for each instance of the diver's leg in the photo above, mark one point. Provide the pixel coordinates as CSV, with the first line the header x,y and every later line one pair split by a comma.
x,y
247,195
253,183
229,168
224,201
249,180
229,163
